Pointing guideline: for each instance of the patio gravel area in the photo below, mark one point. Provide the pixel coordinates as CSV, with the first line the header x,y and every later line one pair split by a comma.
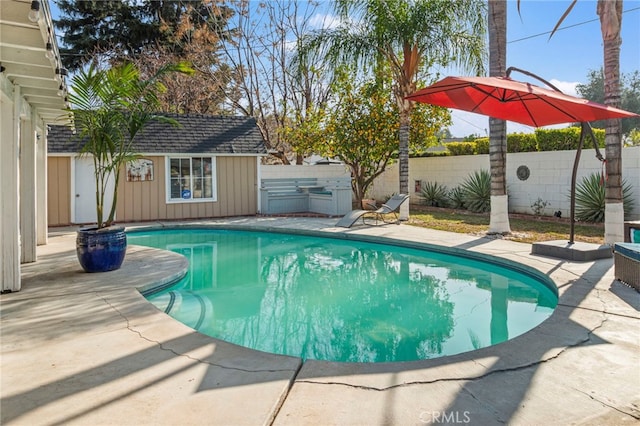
x,y
88,349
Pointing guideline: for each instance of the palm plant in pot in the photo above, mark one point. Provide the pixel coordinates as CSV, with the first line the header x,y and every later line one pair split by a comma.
x,y
109,107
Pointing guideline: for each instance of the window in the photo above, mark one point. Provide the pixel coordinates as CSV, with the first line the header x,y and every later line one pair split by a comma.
x,y
192,179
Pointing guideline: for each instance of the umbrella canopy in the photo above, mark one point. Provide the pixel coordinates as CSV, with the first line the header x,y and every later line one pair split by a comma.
x,y
507,99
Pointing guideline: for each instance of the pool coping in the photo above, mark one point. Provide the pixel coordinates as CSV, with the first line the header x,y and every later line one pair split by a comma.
x,y
587,330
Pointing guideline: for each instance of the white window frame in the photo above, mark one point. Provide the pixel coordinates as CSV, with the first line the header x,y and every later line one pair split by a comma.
x,y
214,181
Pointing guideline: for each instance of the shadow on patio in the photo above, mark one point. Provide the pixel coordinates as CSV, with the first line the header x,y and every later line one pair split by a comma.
x,y
97,352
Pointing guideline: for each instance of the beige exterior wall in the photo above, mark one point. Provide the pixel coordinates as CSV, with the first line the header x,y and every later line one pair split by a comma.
x,y
59,190
146,201
236,189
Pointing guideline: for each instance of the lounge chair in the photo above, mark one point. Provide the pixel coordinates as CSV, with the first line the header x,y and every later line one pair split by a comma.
x,y
390,207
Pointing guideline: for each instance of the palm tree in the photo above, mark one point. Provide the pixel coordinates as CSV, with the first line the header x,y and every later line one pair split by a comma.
x,y
610,13
499,219
410,36
109,108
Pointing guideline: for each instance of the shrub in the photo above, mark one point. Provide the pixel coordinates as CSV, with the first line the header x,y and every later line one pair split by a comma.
x,y
482,145
435,194
430,154
522,142
599,134
632,138
456,198
461,148
590,198
557,139
477,191
539,206
566,139
516,142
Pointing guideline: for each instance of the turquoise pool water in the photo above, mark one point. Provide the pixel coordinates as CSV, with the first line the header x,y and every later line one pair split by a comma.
x,y
343,300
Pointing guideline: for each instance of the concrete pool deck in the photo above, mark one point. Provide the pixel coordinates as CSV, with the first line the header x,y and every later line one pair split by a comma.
x,y
88,349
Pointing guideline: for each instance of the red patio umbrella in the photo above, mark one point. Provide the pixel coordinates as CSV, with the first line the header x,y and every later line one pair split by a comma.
x,y
507,99
525,103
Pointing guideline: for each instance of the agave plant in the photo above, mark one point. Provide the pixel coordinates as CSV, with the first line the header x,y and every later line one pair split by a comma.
x,y
435,194
477,191
590,198
456,198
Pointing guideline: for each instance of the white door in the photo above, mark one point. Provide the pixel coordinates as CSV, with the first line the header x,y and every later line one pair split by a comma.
x,y
85,196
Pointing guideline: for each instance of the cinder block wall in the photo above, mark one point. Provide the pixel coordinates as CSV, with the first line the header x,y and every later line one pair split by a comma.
x,y
549,176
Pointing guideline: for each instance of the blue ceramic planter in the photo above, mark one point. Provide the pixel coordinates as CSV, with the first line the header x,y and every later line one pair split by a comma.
x,y
101,250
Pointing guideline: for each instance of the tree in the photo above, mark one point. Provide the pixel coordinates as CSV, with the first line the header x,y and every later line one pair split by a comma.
x,y
109,108
633,138
409,37
610,13
129,27
444,134
361,128
217,82
273,90
159,33
629,96
499,219
362,133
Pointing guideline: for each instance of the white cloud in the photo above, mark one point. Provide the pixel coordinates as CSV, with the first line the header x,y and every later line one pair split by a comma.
x,y
291,45
324,21
566,87
467,123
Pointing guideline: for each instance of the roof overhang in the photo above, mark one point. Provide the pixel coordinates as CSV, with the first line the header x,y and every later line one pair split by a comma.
x,y
23,57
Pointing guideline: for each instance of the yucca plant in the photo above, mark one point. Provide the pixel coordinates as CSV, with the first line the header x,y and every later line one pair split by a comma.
x,y
435,194
456,198
590,198
477,191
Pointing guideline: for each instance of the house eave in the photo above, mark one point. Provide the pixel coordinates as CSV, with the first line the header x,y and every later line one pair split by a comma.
x,y
23,45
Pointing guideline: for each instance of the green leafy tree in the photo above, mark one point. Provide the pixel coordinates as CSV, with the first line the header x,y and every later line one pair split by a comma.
x,y
127,27
629,92
633,139
306,133
152,34
361,128
409,37
217,81
362,132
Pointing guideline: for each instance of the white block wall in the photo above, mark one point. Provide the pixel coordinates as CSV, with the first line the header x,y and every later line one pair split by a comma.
x,y
549,179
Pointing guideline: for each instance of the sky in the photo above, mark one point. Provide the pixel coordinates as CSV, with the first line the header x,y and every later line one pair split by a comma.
x,y
564,60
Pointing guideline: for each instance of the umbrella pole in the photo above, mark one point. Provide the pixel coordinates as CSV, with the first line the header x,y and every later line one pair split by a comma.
x,y
530,74
574,176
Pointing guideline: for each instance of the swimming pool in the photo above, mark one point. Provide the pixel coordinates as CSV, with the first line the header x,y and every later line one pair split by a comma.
x,y
342,300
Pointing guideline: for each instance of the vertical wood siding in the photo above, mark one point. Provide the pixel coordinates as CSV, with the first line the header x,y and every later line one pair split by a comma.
x,y
236,179
59,191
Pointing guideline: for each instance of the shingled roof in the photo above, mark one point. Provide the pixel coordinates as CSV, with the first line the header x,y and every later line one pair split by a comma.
x,y
197,134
